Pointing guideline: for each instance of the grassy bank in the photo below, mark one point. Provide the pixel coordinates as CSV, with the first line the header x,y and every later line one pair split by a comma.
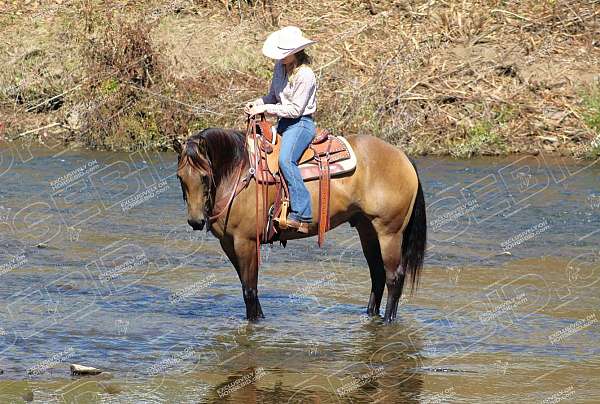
x,y
456,77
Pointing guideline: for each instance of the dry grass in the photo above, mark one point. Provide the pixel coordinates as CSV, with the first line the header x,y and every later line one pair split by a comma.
x,y
444,77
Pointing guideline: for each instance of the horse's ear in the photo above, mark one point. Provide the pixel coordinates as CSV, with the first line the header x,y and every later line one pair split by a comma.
x,y
177,145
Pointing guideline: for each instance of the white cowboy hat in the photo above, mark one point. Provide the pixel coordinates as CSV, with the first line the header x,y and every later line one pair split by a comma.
x,y
284,42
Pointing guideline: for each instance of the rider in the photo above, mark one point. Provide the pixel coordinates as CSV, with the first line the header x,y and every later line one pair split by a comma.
x,y
292,97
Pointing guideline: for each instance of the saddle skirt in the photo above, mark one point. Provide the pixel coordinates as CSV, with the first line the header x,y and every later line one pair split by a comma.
x,y
336,149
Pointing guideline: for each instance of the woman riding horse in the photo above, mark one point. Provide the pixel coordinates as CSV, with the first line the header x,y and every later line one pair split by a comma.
x,y
292,97
382,198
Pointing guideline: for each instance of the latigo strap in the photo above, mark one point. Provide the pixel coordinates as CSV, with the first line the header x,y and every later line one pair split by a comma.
x,y
324,194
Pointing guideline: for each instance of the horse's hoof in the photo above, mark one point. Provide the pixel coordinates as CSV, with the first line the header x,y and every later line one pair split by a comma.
x,y
389,320
256,318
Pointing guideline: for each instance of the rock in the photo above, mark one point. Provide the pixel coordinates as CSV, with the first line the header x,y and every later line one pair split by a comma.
x,y
80,370
551,139
27,396
76,115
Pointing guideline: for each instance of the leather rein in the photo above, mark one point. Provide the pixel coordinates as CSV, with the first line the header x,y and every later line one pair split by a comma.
x,y
236,190
240,183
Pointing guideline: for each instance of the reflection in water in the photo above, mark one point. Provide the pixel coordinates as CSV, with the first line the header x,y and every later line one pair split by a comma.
x,y
379,365
507,310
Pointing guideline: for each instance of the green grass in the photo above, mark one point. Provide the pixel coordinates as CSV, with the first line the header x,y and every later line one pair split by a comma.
x,y
481,139
505,114
110,86
591,117
198,124
265,73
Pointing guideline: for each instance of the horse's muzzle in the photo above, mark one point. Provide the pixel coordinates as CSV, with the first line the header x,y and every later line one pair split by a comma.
x,y
197,224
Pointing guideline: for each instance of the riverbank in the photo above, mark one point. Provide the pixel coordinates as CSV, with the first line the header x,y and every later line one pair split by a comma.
x,y
456,78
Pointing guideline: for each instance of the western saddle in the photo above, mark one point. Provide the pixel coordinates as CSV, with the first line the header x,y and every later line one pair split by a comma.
x,y
327,156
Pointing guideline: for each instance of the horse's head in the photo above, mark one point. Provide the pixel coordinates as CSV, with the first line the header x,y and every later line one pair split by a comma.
x,y
207,161
193,171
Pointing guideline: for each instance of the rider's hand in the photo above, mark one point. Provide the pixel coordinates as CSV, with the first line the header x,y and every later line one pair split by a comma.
x,y
250,104
255,110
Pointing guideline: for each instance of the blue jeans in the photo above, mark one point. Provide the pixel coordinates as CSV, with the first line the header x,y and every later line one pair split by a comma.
x,y
297,134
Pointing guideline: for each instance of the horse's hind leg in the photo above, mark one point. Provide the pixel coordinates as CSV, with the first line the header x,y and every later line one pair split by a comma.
x,y
372,252
391,251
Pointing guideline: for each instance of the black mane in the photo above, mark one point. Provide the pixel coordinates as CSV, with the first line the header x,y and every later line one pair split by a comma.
x,y
219,152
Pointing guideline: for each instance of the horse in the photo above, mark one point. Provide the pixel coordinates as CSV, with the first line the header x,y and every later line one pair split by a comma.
x,y
382,198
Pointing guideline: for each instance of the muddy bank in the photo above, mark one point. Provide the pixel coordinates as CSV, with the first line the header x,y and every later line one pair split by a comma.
x,y
444,78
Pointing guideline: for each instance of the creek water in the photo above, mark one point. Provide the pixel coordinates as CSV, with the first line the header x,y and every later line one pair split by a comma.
x,y
99,267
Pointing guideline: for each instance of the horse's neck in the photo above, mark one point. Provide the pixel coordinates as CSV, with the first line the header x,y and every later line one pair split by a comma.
x,y
225,183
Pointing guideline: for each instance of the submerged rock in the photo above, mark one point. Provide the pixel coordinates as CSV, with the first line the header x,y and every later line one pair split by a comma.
x,y
27,396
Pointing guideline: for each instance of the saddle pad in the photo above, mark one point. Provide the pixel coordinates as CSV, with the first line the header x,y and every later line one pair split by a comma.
x,y
340,163
310,171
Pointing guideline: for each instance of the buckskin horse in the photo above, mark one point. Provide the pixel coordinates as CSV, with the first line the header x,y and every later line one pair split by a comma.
x,y
382,198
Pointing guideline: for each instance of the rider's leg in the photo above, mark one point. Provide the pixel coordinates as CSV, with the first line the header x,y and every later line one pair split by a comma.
x,y
297,136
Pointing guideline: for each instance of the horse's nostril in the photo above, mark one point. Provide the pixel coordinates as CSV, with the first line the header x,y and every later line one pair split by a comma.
x,y
196,224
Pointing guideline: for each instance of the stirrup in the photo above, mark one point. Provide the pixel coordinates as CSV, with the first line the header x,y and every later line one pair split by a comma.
x,y
282,219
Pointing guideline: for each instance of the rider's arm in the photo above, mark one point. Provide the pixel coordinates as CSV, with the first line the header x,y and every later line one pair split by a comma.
x,y
303,94
271,98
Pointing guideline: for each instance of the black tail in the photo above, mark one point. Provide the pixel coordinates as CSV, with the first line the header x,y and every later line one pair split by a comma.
x,y
415,238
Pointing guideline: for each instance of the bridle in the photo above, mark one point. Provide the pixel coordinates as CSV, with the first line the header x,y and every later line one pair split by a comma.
x,y
214,212
236,190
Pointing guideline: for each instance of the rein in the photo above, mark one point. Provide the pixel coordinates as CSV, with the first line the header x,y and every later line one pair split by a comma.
x,y
234,193
251,131
239,186
215,212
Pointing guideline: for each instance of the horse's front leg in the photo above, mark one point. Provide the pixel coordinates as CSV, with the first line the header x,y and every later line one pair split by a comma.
x,y
242,254
245,251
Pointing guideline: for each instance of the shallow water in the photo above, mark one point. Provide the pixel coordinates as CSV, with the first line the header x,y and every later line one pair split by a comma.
x,y
98,267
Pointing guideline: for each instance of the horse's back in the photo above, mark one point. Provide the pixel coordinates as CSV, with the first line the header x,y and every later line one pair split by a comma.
x,y
386,181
